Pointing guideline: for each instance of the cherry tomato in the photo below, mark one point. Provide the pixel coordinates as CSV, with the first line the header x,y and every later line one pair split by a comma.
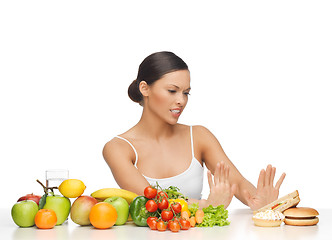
x,y
174,226
152,222
161,195
176,207
174,220
166,215
150,192
163,204
185,224
161,225
151,206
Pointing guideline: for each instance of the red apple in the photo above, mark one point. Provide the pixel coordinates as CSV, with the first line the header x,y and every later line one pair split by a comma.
x,y
80,210
32,197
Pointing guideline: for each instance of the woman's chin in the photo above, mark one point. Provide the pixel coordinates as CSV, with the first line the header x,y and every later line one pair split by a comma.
x,y
172,122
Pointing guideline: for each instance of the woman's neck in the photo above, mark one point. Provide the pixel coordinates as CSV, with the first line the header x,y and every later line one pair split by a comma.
x,y
154,127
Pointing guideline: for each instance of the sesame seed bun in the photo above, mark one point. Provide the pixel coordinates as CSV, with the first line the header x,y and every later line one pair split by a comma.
x,y
301,216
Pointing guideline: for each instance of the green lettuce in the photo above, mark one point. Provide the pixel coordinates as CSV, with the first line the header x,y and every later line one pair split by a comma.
x,y
174,193
214,216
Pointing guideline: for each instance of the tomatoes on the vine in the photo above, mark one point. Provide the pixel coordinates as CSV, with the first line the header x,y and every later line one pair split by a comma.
x,y
161,195
174,226
161,225
166,215
163,204
150,192
152,222
151,206
185,224
176,207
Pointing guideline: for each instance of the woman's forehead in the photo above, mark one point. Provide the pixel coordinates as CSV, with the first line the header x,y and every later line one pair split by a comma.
x,y
180,78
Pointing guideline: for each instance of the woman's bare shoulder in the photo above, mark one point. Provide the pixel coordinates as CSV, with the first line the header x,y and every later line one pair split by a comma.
x,y
117,147
203,136
201,131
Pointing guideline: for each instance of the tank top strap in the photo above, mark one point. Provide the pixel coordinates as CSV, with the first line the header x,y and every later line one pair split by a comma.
x,y
192,142
132,146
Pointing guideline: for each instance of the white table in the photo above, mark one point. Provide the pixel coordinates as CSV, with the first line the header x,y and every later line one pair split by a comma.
x,y
241,227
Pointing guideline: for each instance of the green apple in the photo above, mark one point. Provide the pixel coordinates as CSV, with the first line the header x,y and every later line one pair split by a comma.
x,y
80,210
23,213
61,206
122,209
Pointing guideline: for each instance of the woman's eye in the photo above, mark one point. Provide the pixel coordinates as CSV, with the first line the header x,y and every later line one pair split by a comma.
x,y
186,93
172,91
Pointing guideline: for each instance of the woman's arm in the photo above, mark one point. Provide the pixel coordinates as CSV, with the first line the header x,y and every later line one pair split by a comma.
x,y
119,156
211,153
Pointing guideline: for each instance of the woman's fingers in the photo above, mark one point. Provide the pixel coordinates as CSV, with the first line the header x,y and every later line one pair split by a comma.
x,y
222,173
209,175
261,179
273,173
216,174
268,175
281,179
226,175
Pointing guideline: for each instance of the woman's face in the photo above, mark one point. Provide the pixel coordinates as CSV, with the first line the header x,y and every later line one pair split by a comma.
x,y
168,96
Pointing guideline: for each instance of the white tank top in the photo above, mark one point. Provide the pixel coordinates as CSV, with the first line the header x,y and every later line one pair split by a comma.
x,y
190,182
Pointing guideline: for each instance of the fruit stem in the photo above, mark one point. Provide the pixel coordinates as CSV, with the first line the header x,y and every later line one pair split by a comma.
x,y
46,188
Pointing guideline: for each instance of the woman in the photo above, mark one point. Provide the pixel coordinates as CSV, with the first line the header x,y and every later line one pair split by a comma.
x,y
159,149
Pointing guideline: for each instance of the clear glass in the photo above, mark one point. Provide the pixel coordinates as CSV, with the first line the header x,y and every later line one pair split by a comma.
x,y
54,177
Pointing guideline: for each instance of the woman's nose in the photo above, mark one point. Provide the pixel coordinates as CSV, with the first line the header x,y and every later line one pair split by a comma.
x,y
181,99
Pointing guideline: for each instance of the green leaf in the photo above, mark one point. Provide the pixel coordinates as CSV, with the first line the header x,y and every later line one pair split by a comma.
x,y
214,216
174,193
42,201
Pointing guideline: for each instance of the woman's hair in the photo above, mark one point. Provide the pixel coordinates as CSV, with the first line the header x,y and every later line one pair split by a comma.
x,y
153,68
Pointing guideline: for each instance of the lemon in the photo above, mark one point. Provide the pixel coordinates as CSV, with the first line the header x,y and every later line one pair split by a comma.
x,y
72,188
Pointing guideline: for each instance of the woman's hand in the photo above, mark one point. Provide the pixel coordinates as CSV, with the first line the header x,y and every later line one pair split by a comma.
x,y
266,192
221,191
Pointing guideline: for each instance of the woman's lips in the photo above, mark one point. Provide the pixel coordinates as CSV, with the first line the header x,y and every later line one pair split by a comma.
x,y
176,112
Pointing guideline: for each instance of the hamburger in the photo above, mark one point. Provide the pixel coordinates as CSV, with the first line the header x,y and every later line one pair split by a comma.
x,y
301,216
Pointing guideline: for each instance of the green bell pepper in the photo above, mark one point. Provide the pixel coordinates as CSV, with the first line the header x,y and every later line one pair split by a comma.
x,y
138,212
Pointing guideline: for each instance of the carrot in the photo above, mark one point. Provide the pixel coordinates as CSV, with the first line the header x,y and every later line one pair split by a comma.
x,y
199,215
185,214
192,221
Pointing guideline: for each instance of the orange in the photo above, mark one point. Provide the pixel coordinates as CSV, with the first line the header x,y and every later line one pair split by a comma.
x,y
45,219
103,215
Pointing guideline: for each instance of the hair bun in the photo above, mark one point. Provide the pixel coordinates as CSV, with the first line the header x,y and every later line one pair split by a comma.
x,y
134,92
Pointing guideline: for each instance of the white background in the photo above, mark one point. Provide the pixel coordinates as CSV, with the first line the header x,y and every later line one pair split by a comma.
x,y
261,73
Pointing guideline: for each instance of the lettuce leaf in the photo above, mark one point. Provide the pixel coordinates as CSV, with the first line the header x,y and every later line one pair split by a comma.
x,y
174,193
214,216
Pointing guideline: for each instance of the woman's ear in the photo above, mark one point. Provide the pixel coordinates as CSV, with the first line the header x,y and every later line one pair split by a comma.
x,y
144,88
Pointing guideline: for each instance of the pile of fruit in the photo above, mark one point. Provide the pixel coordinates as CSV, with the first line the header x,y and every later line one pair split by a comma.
x,y
160,209
103,209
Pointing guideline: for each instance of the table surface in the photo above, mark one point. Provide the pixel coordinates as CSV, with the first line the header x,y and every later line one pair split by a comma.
x,y
241,227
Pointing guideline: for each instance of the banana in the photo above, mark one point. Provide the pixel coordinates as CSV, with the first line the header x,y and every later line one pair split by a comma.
x,y
104,193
